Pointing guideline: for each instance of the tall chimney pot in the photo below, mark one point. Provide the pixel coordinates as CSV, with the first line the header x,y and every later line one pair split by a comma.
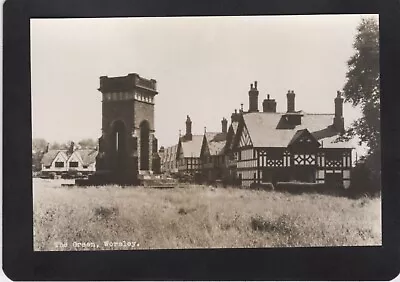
x,y
338,120
253,98
188,135
290,101
224,124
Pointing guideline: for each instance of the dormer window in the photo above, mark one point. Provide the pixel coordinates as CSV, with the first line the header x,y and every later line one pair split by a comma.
x,y
293,119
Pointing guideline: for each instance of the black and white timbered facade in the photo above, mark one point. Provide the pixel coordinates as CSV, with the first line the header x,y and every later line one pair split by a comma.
x,y
271,147
188,151
212,154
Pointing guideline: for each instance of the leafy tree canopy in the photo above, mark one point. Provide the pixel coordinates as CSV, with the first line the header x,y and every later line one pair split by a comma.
x,y
87,143
362,86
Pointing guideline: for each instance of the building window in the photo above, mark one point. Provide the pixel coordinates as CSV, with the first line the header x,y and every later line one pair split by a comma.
x,y
85,166
73,164
47,166
59,164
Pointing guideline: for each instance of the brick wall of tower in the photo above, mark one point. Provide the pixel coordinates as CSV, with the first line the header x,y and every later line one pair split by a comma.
x,y
118,110
151,151
143,111
139,149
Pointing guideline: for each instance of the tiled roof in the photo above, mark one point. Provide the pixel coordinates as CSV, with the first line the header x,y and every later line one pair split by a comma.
x,y
272,129
215,136
216,142
210,135
49,157
88,156
192,148
216,148
169,154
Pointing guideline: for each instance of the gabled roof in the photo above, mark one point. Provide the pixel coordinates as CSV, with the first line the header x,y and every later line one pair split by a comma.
x,y
272,129
210,135
49,157
231,135
235,125
303,135
216,148
169,154
192,148
88,156
216,142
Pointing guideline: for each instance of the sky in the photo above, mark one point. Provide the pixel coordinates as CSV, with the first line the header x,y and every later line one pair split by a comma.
x,y
203,67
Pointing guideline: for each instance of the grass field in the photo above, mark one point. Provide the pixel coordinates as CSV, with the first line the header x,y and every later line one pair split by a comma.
x,y
190,216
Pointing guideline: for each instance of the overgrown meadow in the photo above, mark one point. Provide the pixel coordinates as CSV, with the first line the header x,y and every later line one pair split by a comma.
x,y
195,216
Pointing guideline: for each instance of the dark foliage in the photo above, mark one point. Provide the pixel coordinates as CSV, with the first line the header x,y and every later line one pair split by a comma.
x,y
362,89
364,181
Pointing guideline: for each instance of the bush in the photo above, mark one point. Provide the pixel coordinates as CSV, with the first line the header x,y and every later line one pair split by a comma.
x,y
364,181
184,177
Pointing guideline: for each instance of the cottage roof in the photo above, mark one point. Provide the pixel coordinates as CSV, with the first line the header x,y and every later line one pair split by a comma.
x,y
192,148
216,148
88,156
273,130
49,157
169,154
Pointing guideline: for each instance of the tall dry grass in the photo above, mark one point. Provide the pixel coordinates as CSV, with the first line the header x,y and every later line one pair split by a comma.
x,y
197,217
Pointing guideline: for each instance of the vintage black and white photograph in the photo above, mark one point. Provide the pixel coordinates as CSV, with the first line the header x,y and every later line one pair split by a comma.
x,y
205,132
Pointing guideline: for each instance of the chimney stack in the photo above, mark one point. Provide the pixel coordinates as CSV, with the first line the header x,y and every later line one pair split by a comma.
x,y
338,120
235,116
71,148
188,135
269,105
241,108
290,101
224,123
253,98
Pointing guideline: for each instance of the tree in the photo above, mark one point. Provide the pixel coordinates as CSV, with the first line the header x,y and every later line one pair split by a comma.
x,y
362,88
87,143
39,146
57,146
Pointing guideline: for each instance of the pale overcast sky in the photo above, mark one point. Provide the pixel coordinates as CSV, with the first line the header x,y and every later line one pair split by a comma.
x,y
203,66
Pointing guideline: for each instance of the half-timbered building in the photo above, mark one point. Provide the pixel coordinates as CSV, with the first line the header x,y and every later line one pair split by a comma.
x,y
188,151
212,153
271,147
229,171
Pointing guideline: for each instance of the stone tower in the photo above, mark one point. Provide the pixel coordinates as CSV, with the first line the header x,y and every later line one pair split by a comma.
x,y
127,143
